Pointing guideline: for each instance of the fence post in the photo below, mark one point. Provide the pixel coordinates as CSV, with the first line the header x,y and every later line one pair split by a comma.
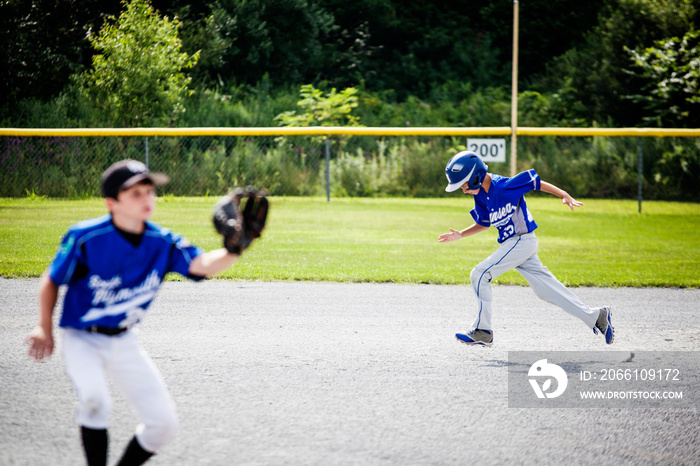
x,y
328,169
639,176
146,151
514,93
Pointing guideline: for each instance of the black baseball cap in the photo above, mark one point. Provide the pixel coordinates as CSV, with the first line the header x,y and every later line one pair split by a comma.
x,y
126,173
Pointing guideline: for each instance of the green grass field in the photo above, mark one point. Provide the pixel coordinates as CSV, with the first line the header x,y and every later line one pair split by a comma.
x,y
604,243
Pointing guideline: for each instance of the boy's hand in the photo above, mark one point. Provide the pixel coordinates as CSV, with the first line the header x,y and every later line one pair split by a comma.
x,y
570,201
453,235
565,197
40,343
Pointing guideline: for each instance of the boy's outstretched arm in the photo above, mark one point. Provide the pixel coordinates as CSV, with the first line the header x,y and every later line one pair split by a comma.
x,y
40,340
212,262
565,197
454,235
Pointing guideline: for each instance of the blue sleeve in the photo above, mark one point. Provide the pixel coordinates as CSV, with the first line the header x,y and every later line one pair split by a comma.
x,y
66,259
480,213
523,183
181,255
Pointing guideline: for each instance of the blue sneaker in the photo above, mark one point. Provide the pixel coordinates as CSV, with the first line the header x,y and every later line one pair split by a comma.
x,y
476,337
604,325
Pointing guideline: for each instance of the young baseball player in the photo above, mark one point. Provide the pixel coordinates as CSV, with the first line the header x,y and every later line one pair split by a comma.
x,y
500,202
113,266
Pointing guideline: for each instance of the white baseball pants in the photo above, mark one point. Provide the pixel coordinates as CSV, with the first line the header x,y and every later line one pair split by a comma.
x,y
91,357
520,253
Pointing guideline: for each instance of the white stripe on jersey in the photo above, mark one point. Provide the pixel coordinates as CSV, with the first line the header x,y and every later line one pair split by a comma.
x,y
96,313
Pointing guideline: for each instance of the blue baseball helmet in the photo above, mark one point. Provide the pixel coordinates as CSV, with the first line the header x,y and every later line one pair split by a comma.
x,y
465,167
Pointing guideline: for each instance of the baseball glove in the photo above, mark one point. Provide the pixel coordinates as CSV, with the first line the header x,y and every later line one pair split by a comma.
x,y
240,217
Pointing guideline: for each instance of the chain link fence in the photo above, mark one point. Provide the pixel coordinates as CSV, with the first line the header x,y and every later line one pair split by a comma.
x,y
412,166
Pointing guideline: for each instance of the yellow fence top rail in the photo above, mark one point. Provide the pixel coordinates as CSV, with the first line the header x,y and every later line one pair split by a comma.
x,y
352,131
641,132
265,131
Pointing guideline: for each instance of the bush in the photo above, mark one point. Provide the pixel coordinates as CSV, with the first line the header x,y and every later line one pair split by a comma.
x,y
360,166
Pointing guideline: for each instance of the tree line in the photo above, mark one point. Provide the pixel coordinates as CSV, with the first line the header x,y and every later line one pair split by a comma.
x,y
253,63
599,62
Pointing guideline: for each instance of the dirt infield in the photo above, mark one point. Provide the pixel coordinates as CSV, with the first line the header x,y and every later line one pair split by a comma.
x,y
323,373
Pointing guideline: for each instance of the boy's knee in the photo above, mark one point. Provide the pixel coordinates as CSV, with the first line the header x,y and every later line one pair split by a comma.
x,y
474,276
153,437
94,410
479,276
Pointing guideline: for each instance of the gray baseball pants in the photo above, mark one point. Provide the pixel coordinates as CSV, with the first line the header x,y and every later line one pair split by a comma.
x,y
520,253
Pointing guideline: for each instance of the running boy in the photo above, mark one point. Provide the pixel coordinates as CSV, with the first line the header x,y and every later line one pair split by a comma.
x,y
500,202
113,266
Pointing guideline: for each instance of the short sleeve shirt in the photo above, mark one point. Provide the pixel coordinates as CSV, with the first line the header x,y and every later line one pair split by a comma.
x,y
110,281
504,206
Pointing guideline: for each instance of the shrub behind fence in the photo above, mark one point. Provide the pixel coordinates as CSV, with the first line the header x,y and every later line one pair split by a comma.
x,y
593,167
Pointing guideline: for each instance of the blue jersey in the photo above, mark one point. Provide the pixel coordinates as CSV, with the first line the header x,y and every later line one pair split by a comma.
x,y
504,205
110,281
